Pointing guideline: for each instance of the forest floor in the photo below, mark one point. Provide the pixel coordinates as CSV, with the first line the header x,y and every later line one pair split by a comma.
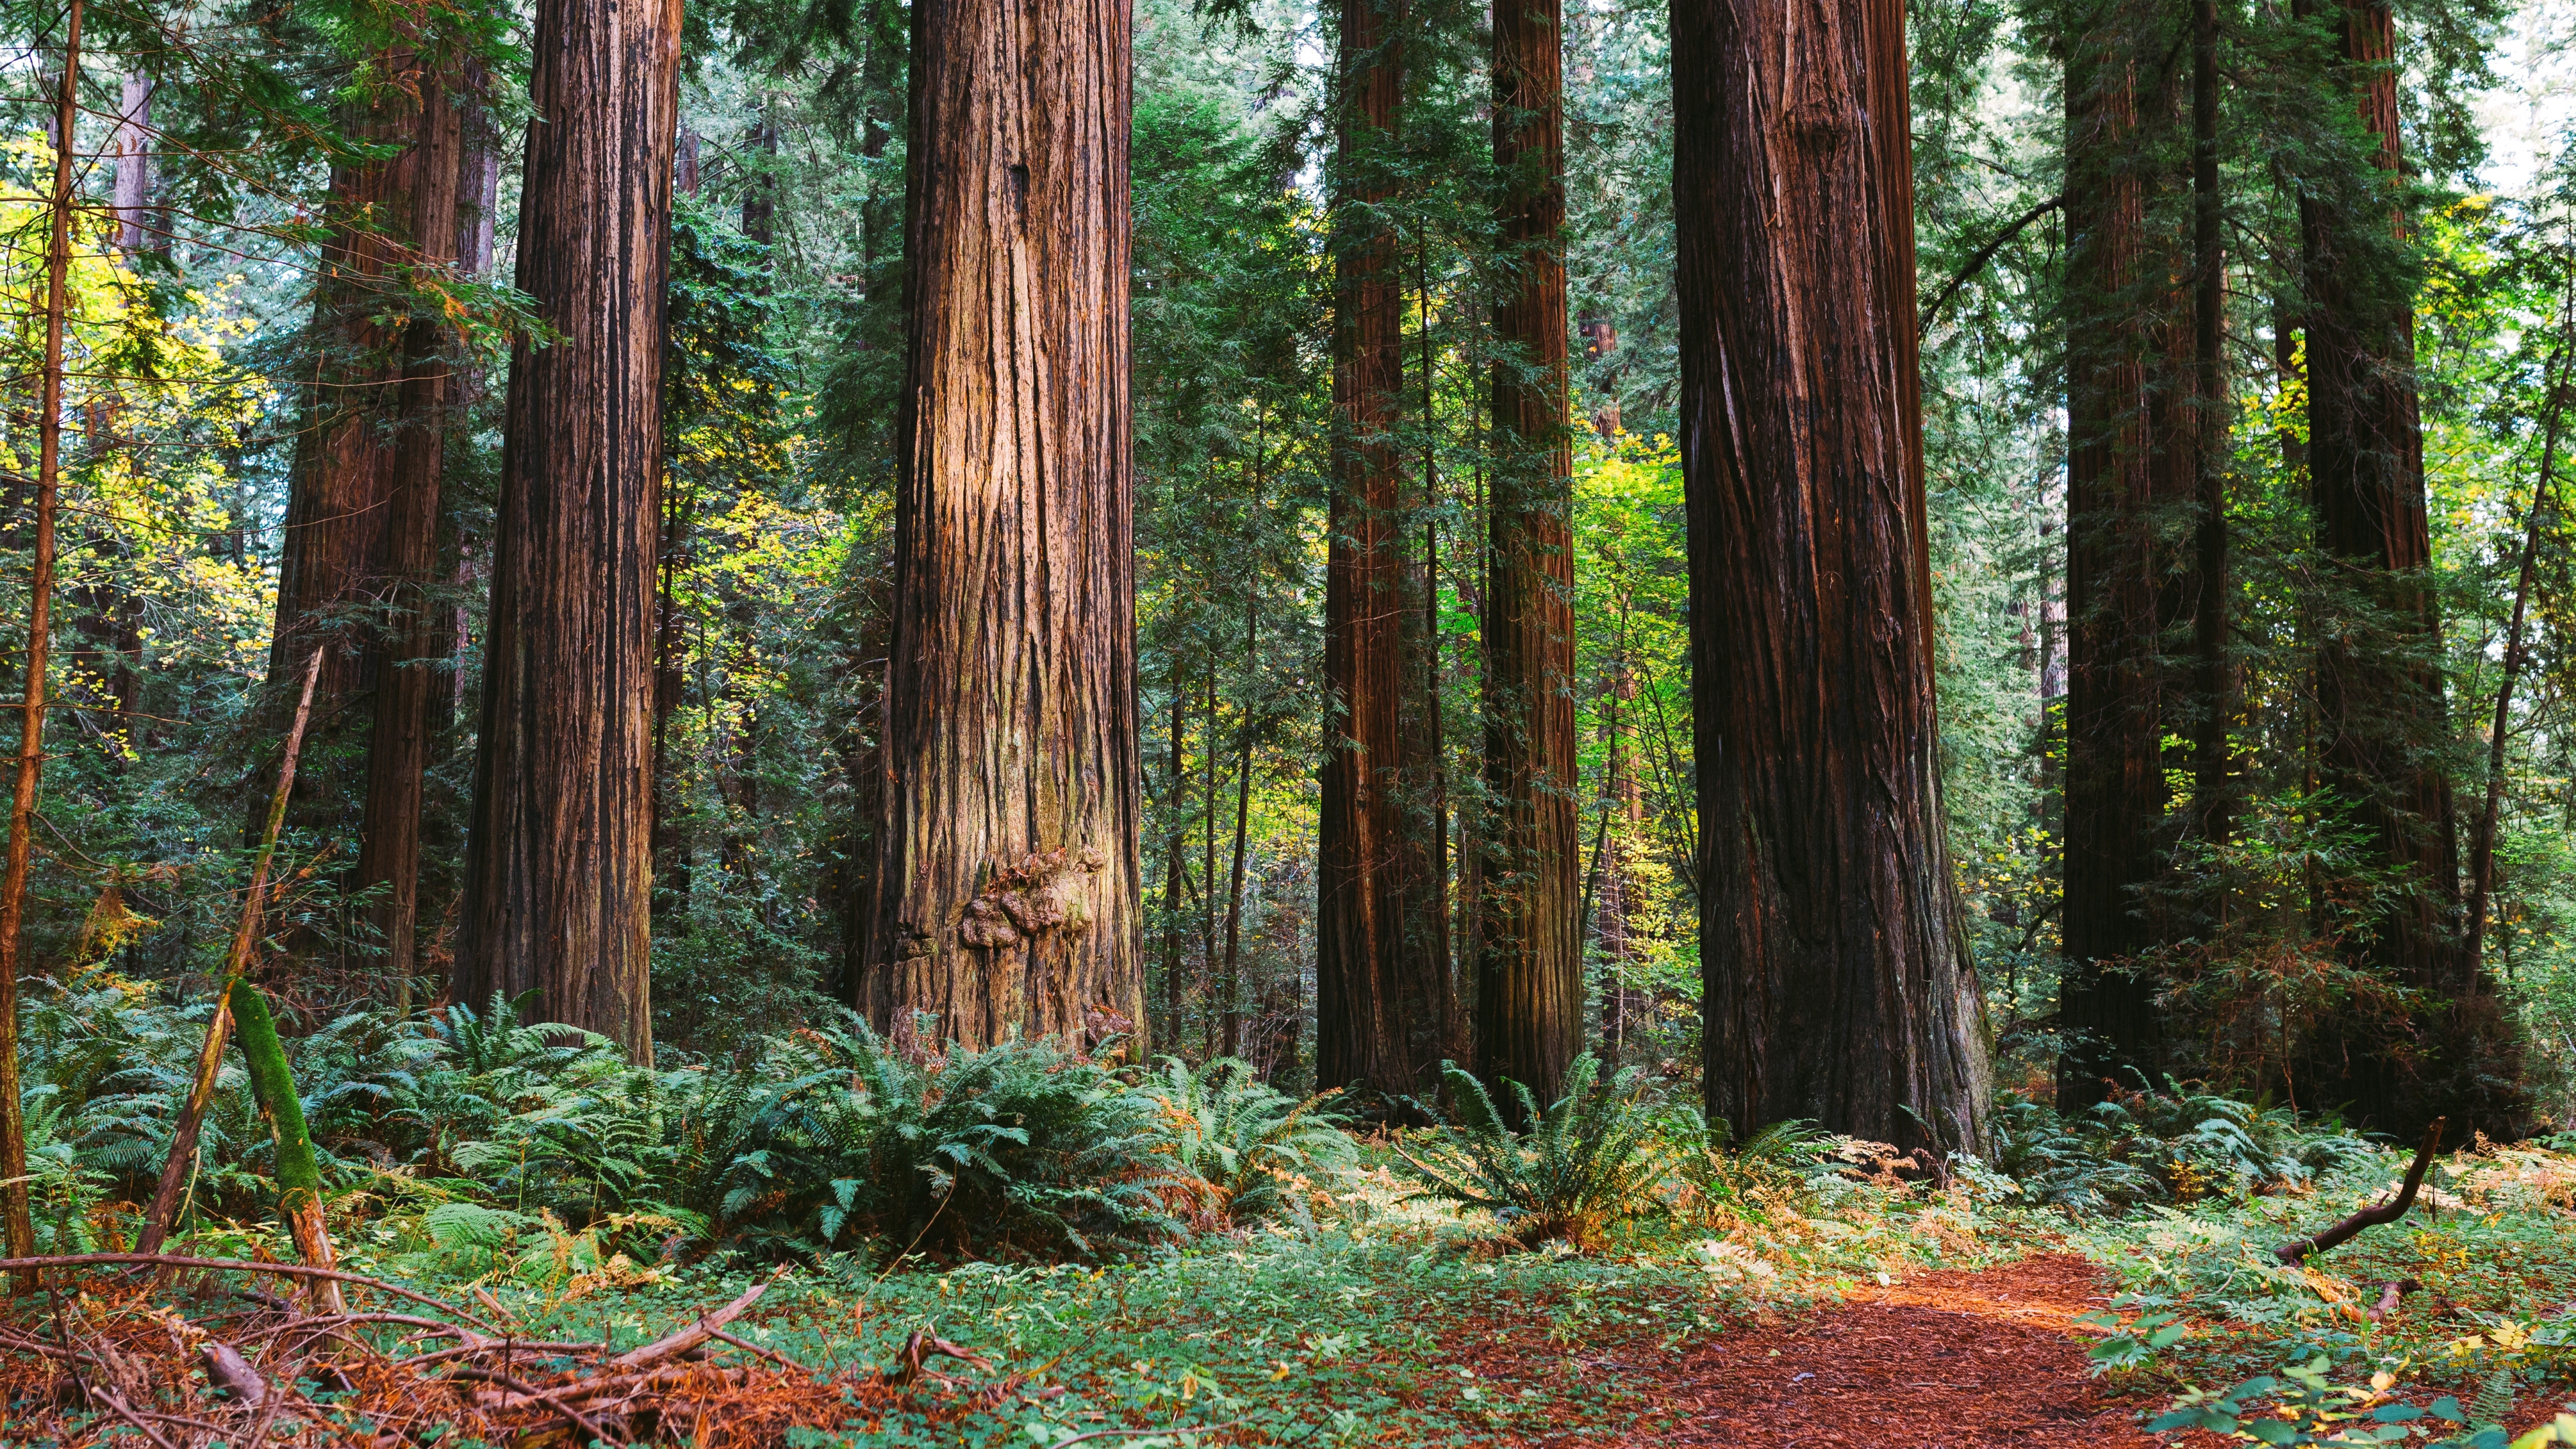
x,y
1864,1317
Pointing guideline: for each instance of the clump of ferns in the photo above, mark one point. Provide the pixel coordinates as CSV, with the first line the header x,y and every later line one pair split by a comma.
x,y
1255,1153
1603,1152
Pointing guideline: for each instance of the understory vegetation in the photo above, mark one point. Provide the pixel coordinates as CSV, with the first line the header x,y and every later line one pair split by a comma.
x,y
1189,1254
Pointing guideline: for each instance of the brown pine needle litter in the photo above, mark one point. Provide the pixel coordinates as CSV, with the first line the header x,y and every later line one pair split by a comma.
x,y
179,1353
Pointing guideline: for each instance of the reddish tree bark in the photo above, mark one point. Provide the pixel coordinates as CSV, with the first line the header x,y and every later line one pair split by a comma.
x,y
1529,1000
2382,714
1007,886
409,663
2129,470
1377,1018
559,860
1838,987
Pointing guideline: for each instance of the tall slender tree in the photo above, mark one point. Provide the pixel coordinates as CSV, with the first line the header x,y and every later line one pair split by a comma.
x,y
1529,998
559,854
1838,986
2129,475
2381,708
1007,895
1368,1025
408,653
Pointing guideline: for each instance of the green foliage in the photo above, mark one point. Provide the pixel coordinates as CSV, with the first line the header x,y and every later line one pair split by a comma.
x,y
1599,1153
2302,1405
1265,1153
2171,1146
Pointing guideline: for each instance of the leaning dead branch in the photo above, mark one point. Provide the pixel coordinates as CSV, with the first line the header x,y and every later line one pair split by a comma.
x,y
2297,1250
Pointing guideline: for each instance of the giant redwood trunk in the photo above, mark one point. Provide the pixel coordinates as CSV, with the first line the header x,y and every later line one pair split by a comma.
x,y
1378,994
2381,711
559,857
1837,982
1007,892
409,657
1529,1000
2130,483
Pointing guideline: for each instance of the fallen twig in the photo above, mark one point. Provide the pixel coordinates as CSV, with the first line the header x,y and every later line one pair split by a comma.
x,y
2296,1250
690,1337
2390,1294
236,1265
105,1395
579,1419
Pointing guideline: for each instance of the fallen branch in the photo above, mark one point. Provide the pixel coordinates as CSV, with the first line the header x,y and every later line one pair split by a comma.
x,y
2296,1250
2390,1295
107,1396
690,1337
236,1265
580,1420
925,1344
771,1354
227,1370
175,1169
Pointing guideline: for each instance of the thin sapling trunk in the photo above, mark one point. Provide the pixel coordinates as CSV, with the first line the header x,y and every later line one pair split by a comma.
x,y
31,714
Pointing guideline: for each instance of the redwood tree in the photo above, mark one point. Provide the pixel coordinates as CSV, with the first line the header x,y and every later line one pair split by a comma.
x,y
1006,878
1837,982
2382,716
407,658
2129,473
1529,998
559,858
1380,991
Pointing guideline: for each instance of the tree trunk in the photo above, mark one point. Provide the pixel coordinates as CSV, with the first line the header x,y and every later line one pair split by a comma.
x,y
409,655
15,1226
559,864
2121,587
131,202
1366,1020
2381,708
1838,986
1530,995
1007,884
299,1172
2214,680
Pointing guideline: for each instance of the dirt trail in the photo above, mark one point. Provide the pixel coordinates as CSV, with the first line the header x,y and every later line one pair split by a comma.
x,y
1950,1360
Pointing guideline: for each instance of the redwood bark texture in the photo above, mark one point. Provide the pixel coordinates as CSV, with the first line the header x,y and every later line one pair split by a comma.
x,y
1380,992
1529,1017
410,654
559,857
1007,883
1838,986
2382,715
2130,475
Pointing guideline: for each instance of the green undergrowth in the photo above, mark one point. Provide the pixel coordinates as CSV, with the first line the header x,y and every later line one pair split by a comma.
x,y
2271,1353
1391,1319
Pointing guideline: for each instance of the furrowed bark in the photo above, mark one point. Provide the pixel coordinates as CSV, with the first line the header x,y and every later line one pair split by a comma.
x,y
407,657
1530,991
1838,987
179,1166
1007,882
2383,717
19,1228
1366,1024
2122,591
558,894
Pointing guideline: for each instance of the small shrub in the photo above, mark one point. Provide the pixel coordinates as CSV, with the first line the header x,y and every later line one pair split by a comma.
x,y
1598,1154
1259,1148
